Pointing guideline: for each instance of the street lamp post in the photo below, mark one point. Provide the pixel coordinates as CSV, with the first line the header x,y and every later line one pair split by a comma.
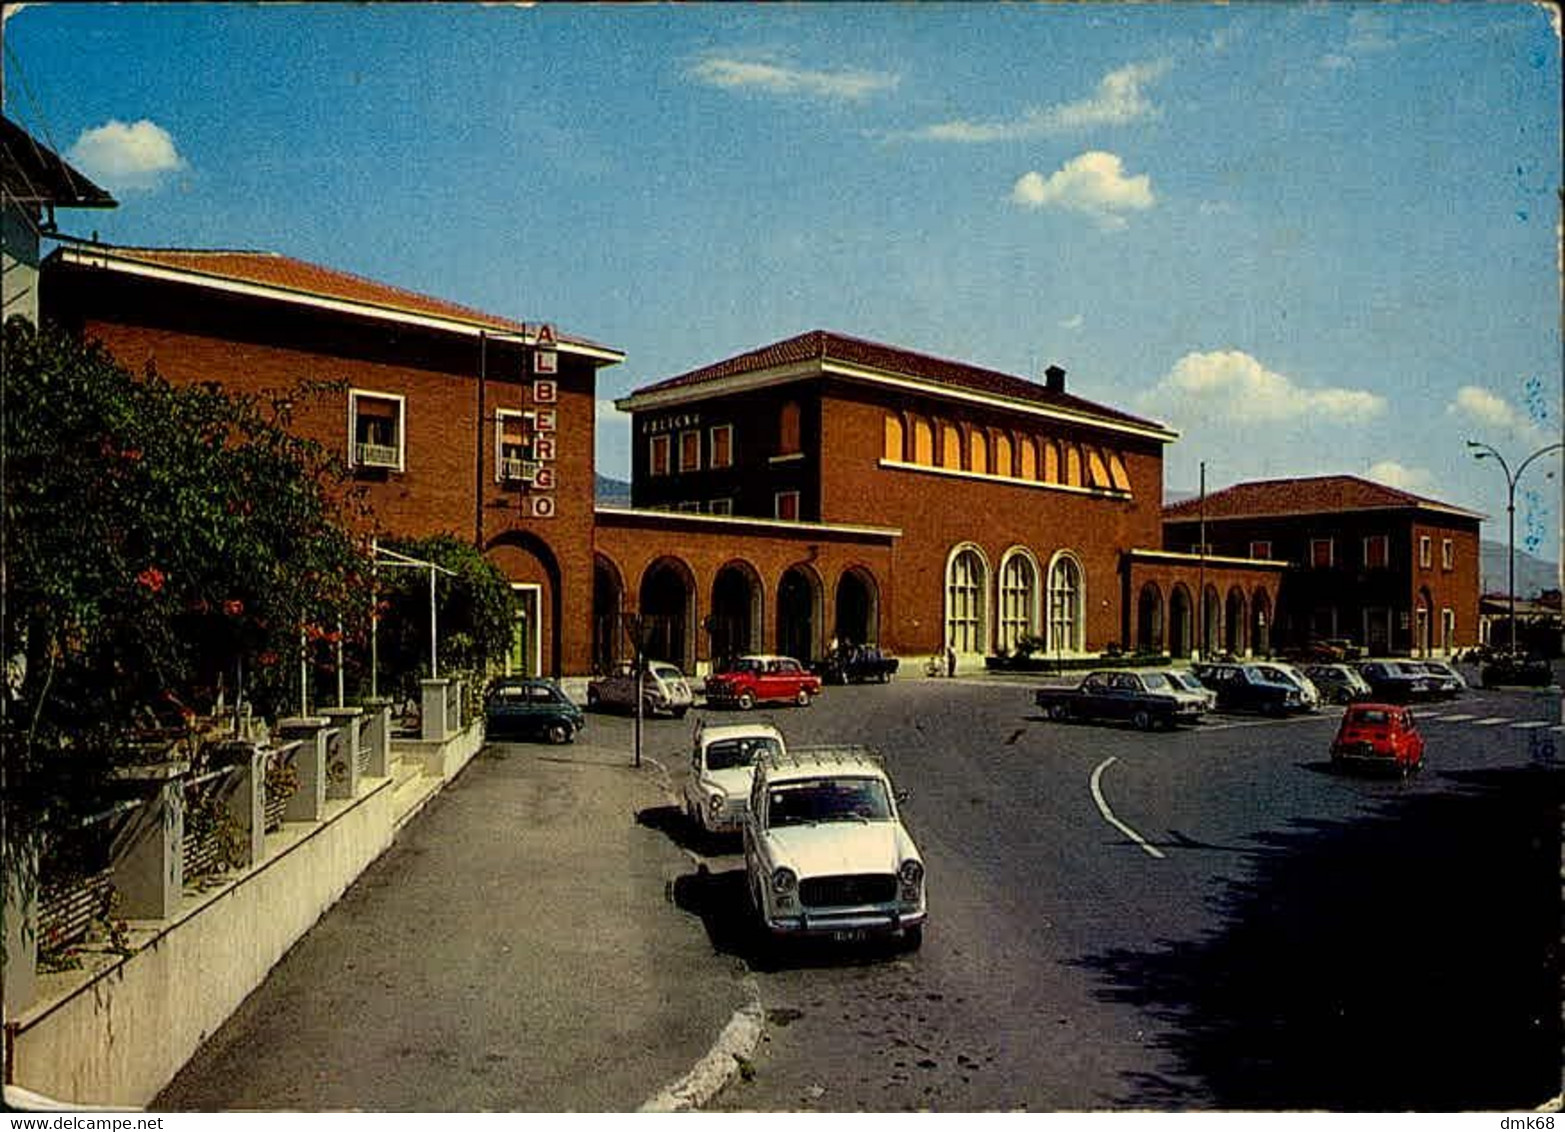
x,y
1485,452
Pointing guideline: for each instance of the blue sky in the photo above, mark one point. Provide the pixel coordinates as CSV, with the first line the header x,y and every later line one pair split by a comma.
x,y
1312,238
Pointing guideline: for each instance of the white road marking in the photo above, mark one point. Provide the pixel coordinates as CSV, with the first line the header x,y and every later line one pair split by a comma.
x,y
1108,814
1529,724
1491,721
1454,718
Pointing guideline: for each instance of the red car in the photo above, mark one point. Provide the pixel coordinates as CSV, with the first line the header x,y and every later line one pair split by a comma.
x,y
1378,735
758,679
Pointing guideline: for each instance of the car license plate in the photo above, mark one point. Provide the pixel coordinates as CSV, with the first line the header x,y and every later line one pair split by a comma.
x,y
851,935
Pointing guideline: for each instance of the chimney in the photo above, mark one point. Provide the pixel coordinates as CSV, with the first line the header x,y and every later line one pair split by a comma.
x,y
1054,379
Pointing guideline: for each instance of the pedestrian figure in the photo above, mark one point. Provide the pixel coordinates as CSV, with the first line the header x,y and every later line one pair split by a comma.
x,y
951,660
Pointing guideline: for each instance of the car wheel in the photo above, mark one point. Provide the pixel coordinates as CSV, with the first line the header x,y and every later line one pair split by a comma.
x,y
1142,721
803,698
559,733
913,937
746,700
1060,713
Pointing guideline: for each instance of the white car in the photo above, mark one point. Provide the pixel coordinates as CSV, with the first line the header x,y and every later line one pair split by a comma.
x,y
665,689
1281,673
825,850
1187,681
722,765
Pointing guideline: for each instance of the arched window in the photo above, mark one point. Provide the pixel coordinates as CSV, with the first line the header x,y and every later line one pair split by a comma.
x,y
893,449
967,580
978,452
1066,604
788,429
1018,599
923,442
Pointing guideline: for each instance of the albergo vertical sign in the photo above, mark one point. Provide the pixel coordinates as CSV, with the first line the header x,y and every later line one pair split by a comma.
x,y
539,503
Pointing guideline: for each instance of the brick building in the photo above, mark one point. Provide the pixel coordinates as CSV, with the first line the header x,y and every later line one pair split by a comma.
x,y
820,488
1392,571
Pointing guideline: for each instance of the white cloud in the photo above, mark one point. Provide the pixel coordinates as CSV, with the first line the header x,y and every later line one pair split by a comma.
x,y
773,78
1230,385
1120,98
1393,474
1093,183
1492,413
1074,322
127,157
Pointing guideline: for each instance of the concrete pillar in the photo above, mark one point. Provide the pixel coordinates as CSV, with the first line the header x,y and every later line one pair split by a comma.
x,y
375,734
19,965
246,801
148,852
310,761
342,751
436,727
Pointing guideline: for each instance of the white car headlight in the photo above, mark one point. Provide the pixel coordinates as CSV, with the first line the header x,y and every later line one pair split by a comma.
x,y
715,803
911,872
784,881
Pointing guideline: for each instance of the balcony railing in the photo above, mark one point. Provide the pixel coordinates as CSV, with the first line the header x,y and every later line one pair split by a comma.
x,y
513,469
376,455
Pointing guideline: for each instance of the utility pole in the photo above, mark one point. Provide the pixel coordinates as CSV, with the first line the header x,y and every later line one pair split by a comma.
x,y
1486,452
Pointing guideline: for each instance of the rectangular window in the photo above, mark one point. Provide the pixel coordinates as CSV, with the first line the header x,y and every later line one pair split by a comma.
x,y
721,507
376,424
1423,551
657,463
1260,550
1447,555
787,503
1321,553
690,451
515,461
722,446
1376,551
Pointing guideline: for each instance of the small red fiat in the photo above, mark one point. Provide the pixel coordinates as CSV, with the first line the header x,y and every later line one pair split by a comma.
x,y
1378,735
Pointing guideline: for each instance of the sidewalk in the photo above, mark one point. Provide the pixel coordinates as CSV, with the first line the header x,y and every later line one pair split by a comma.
x,y
515,950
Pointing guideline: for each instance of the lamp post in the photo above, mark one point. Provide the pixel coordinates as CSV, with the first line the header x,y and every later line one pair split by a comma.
x,y
1485,452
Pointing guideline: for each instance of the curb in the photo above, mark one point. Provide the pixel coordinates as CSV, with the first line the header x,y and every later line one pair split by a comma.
x,y
733,1050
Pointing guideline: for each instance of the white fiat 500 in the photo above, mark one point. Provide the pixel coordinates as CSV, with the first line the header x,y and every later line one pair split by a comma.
x,y
722,764
825,850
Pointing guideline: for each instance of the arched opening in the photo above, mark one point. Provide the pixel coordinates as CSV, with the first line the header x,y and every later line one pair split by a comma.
x,y
978,452
1067,605
1181,622
534,572
798,614
608,600
1149,619
1018,599
1261,625
857,616
1212,616
1235,623
1424,624
967,587
893,439
667,610
735,620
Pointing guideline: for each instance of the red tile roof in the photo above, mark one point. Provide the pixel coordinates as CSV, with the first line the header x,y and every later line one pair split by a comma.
x,y
1310,495
824,346
311,281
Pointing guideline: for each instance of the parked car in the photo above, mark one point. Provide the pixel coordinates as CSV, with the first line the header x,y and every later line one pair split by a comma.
x,y
1144,699
520,707
751,680
1190,682
1379,736
664,689
722,767
1287,674
825,850
1397,681
1244,687
1515,668
1338,683
1446,682
856,664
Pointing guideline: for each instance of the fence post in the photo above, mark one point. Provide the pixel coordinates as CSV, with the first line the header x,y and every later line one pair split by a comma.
x,y
308,801
342,752
19,978
436,727
246,802
148,853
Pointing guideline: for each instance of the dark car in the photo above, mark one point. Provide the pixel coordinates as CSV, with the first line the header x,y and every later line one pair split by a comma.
x,y
1143,699
1378,736
518,707
856,664
1338,683
1244,687
1398,682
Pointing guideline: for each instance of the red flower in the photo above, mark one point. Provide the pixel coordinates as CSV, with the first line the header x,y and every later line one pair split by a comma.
x,y
233,607
267,659
131,455
152,578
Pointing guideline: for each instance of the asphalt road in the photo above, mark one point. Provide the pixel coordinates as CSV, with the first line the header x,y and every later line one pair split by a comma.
x,y
1281,936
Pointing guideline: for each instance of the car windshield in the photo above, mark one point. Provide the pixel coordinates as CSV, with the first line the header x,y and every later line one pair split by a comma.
x,y
728,753
1153,680
1185,680
667,672
829,799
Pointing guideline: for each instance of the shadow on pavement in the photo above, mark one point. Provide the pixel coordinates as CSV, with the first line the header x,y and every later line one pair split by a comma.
x,y
1408,960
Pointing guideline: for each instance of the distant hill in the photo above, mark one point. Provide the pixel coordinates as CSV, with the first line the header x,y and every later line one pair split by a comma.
x,y
1533,575
611,493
